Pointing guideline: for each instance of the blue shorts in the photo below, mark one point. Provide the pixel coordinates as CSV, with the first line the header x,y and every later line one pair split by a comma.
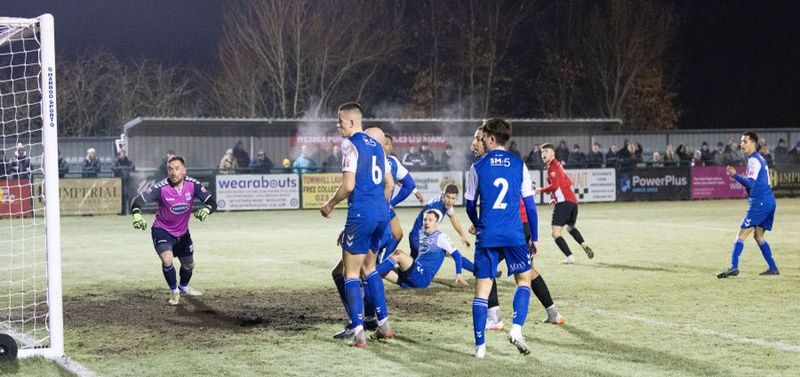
x,y
760,214
386,240
361,237
415,277
181,246
518,260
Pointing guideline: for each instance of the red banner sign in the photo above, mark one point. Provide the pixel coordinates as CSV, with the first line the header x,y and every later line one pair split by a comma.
x,y
15,198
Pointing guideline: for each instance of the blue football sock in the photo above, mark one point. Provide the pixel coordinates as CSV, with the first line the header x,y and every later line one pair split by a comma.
x,y
387,265
480,306
355,302
169,276
767,253
369,305
466,264
186,275
738,246
375,284
522,296
339,281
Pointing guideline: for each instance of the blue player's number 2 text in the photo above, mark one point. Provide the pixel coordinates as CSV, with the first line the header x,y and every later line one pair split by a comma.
x,y
503,184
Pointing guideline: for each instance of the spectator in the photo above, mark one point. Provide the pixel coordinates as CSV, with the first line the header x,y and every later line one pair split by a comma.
x,y
304,164
697,158
577,159
3,165
427,155
164,167
562,152
334,162
91,166
706,157
657,161
670,158
764,152
123,166
685,153
228,164
794,153
261,164
737,156
630,159
21,164
612,156
639,151
63,166
287,165
447,160
241,156
719,154
595,158
534,160
512,148
413,160
781,152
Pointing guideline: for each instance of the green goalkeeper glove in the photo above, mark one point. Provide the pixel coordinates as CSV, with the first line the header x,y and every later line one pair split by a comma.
x,y
202,213
138,220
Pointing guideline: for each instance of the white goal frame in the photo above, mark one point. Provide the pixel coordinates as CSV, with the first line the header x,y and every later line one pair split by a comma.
x,y
47,89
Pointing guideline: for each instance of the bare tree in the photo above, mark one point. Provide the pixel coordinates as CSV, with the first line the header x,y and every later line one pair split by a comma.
x,y
85,106
624,39
304,52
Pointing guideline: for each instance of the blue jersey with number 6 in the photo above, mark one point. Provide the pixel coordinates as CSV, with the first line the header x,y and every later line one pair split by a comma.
x,y
363,156
497,180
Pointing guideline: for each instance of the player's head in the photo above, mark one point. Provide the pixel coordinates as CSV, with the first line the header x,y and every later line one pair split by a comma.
x,y
548,153
430,222
749,142
176,170
496,132
375,133
477,143
388,144
450,195
350,116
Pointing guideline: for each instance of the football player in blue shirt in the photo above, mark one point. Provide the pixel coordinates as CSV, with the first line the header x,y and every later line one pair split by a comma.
x,y
367,185
761,212
408,186
444,205
499,181
407,272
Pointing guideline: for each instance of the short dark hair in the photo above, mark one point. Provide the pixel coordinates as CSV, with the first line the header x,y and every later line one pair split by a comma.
x,y
434,212
177,158
548,146
499,128
349,106
389,137
752,135
451,189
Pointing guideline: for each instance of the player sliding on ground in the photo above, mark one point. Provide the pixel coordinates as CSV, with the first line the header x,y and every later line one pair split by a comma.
x,y
170,231
402,178
367,185
444,205
761,211
565,213
498,181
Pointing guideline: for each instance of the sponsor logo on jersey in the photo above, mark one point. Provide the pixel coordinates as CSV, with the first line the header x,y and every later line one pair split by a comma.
x,y
500,161
179,208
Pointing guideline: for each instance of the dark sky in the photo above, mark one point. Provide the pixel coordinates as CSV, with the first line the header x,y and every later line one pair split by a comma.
x,y
739,61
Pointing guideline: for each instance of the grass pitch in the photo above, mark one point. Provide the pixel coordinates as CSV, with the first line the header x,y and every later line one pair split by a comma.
x,y
648,304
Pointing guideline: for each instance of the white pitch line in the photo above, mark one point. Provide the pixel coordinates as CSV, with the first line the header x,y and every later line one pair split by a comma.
x,y
74,367
783,346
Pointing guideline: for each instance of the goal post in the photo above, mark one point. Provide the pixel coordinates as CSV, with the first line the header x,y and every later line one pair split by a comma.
x,y
30,232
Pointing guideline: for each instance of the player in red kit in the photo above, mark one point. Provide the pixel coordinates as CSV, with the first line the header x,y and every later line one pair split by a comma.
x,y
565,213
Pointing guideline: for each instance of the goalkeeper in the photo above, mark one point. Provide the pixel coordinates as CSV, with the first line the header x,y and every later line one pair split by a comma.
x,y
174,197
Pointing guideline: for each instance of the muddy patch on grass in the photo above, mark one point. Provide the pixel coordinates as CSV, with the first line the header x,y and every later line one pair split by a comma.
x,y
284,311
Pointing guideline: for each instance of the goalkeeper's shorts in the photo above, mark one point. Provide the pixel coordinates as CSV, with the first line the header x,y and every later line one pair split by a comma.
x,y
181,246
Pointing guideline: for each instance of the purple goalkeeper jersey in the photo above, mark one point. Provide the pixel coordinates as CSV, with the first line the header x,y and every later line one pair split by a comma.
x,y
175,204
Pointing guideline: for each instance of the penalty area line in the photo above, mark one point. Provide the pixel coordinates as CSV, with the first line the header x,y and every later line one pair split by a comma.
x,y
74,367
782,346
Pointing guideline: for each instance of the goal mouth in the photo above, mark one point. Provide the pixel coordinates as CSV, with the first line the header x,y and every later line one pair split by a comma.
x,y
30,258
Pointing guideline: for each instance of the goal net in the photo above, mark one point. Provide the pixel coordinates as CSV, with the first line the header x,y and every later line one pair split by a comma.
x,y
30,261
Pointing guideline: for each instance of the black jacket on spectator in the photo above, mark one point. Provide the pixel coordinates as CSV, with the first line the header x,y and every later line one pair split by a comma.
x,y
260,166
576,159
20,165
562,152
89,169
595,160
534,160
123,166
612,158
63,167
427,155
